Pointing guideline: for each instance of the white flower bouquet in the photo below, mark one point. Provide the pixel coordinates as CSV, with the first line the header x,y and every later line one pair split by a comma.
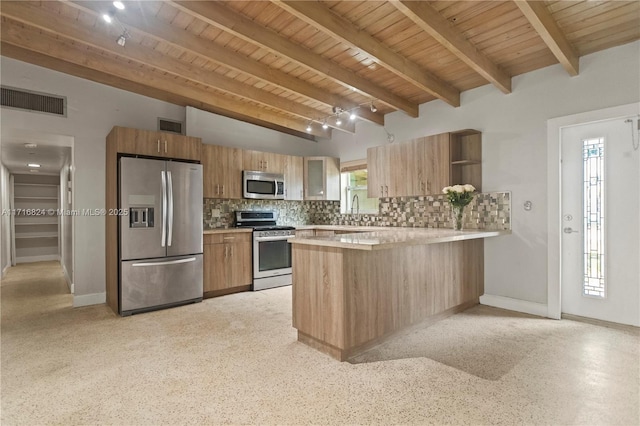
x,y
459,196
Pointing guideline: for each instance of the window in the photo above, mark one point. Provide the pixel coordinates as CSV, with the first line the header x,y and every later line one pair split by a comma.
x,y
353,182
593,205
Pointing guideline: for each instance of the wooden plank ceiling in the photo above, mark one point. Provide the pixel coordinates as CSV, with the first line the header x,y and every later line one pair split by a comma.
x,y
295,65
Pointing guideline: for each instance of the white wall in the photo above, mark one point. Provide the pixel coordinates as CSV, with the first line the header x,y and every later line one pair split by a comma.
x,y
66,225
93,109
5,220
514,150
218,130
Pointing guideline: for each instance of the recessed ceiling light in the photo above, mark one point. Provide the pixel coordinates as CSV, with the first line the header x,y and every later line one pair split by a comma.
x,y
353,116
119,5
33,165
107,18
30,145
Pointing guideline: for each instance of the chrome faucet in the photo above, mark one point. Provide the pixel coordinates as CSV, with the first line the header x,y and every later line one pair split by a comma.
x,y
355,200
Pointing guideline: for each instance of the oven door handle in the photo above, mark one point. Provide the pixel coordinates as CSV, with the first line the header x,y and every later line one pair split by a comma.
x,y
279,238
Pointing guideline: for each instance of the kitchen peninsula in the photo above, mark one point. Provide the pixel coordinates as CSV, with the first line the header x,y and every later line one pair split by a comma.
x,y
351,291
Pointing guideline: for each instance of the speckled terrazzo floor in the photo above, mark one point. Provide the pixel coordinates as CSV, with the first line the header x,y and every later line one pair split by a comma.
x,y
235,360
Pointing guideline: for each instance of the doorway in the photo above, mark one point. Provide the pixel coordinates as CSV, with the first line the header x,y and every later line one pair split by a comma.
x,y
600,239
37,186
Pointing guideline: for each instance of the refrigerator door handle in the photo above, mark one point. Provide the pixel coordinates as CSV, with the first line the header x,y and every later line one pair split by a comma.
x,y
170,220
170,262
164,209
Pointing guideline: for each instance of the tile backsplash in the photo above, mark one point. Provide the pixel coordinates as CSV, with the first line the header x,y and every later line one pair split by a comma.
x,y
487,211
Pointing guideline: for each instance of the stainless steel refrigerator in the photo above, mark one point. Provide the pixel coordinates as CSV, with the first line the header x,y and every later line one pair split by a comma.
x,y
160,241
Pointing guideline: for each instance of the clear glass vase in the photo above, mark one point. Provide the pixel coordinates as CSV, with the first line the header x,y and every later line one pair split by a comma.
x,y
457,217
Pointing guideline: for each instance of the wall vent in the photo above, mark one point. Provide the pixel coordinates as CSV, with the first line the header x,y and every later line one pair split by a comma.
x,y
171,126
33,101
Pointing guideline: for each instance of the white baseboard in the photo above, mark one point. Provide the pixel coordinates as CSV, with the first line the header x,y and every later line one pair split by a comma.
x,y
44,258
67,278
89,299
524,306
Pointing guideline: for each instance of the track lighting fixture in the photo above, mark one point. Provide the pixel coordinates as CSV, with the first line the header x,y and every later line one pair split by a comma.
x,y
122,40
337,112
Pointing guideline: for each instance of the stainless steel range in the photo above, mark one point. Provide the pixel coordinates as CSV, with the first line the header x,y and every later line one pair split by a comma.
x,y
271,251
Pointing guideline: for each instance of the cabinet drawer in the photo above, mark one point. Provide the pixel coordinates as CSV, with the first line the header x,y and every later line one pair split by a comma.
x,y
232,237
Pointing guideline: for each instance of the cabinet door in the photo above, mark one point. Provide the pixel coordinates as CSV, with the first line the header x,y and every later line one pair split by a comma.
x,y
273,163
436,163
252,160
222,171
314,178
137,141
293,178
179,146
377,171
240,266
215,267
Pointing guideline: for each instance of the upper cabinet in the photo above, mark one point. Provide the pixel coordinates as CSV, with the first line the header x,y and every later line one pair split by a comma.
x,y
264,161
156,144
293,178
321,178
222,171
425,165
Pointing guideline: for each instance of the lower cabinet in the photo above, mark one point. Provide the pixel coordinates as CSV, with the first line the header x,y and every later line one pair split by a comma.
x,y
227,263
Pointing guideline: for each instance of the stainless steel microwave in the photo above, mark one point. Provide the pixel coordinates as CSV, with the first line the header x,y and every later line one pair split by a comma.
x,y
262,185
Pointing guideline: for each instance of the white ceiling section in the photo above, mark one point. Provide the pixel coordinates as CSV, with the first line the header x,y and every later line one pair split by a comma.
x,y
50,151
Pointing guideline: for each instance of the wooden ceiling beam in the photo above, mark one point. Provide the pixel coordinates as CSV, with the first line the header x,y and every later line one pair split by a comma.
x,y
218,15
41,42
319,16
539,17
438,27
148,25
34,15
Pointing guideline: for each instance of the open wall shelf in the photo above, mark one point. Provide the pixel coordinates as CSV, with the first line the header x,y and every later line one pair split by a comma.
x,y
36,231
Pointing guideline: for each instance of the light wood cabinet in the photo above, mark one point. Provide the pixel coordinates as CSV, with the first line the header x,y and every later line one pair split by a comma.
x,y
222,171
263,161
156,144
321,178
227,263
425,165
293,178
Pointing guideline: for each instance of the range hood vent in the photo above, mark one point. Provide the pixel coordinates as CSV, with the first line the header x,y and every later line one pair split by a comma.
x,y
171,126
28,100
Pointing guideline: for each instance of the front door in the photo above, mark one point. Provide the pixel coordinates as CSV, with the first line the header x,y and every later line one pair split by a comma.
x,y
601,222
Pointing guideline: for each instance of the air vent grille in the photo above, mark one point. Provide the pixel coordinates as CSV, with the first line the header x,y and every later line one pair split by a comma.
x,y
34,101
172,126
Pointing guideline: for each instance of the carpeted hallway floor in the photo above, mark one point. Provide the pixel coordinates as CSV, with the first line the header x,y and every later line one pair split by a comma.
x,y
235,360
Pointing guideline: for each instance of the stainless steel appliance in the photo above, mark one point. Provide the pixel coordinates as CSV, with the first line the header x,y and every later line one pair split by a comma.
x,y
262,185
160,239
271,251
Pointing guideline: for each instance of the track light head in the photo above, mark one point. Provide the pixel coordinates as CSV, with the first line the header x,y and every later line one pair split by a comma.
x,y
325,126
309,128
108,17
338,121
373,107
119,5
353,115
122,40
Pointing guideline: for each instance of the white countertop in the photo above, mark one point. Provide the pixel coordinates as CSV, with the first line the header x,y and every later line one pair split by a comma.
x,y
387,237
